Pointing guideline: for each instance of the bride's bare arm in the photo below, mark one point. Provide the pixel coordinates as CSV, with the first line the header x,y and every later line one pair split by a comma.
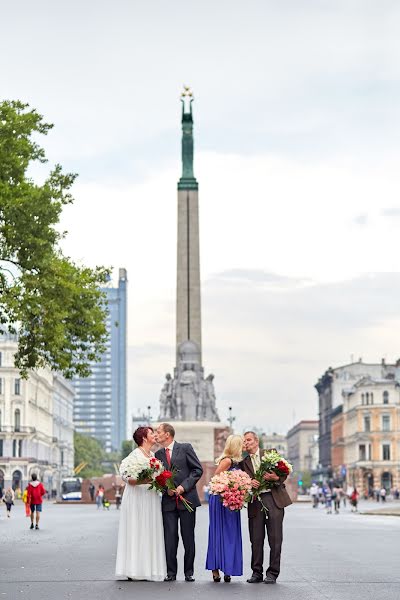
x,y
224,465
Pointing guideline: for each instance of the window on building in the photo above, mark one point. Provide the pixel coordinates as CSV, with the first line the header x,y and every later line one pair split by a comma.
x,y
1,447
362,454
20,448
62,458
17,420
385,397
14,448
0,420
371,398
385,422
1,356
385,451
1,386
367,398
367,423
17,387
362,399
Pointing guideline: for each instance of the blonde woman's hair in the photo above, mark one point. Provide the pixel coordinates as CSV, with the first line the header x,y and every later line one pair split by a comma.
x,y
233,449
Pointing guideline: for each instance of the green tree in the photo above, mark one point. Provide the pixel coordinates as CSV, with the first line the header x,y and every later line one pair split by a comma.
x,y
89,450
54,305
126,448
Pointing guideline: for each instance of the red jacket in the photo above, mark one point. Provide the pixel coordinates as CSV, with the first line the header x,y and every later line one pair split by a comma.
x,y
35,492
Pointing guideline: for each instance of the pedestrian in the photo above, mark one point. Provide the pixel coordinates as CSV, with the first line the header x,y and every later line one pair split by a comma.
x,y
8,499
354,500
396,494
275,500
383,494
25,501
36,491
224,533
99,496
377,495
106,503
336,500
328,500
91,491
118,496
314,495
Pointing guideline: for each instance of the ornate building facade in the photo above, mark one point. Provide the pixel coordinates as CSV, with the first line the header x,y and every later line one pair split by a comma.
x,y
330,388
36,429
371,433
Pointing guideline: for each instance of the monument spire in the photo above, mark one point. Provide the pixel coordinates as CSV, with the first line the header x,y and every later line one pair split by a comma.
x,y
188,180
188,396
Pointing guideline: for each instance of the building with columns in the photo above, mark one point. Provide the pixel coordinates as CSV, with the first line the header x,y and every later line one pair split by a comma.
x,y
36,431
371,433
330,388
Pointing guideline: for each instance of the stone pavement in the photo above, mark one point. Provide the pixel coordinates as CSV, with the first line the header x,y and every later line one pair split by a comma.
x,y
334,557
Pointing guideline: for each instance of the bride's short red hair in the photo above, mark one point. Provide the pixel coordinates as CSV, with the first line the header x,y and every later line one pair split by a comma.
x,y
140,434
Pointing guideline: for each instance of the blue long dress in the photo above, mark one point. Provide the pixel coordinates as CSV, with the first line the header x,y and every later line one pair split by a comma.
x,y
224,538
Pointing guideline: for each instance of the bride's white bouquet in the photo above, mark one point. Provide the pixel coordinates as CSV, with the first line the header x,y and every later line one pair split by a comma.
x,y
130,468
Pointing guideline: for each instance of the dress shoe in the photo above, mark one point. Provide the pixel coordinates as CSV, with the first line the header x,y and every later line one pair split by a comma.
x,y
189,578
170,578
227,578
269,579
255,578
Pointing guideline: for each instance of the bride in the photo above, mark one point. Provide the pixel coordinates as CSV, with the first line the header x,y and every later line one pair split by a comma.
x,y
141,552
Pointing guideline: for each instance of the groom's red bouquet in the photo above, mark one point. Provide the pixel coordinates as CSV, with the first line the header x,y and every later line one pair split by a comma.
x,y
165,481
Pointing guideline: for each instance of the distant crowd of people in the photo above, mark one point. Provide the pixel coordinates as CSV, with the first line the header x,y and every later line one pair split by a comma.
x,y
332,498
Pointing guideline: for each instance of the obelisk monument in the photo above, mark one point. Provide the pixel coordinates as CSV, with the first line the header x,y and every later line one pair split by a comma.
x,y
188,396
188,300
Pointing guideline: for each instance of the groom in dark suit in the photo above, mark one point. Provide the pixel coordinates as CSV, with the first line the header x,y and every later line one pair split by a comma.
x,y
183,458
275,500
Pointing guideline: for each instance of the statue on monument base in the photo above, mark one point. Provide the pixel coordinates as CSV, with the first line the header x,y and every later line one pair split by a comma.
x,y
188,396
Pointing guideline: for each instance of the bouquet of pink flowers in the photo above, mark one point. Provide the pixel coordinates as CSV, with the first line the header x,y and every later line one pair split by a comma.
x,y
232,487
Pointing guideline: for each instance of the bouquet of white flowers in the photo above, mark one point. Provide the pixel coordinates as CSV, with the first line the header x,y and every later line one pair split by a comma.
x,y
130,468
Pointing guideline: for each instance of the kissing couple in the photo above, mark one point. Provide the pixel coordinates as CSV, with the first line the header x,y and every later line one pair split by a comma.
x,y
148,534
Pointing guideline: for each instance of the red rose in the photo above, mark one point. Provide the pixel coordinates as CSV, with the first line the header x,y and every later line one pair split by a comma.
x,y
282,467
163,478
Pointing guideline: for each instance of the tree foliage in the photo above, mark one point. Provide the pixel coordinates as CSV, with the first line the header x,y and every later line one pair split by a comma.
x,y
89,450
126,448
54,305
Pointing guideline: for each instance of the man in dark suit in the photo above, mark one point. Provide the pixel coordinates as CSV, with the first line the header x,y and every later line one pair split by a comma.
x,y
183,458
275,500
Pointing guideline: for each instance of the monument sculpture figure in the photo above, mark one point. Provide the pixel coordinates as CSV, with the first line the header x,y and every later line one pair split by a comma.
x,y
188,396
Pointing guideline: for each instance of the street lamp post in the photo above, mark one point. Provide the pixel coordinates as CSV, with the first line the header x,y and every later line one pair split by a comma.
x,y
149,414
231,418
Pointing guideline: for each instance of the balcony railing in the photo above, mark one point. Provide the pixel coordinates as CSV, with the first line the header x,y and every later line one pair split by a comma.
x,y
18,429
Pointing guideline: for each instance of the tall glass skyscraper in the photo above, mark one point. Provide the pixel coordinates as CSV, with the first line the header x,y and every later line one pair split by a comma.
x,y
100,400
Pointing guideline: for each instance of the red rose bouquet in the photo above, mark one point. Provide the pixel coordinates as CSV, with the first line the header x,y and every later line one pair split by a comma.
x,y
164,482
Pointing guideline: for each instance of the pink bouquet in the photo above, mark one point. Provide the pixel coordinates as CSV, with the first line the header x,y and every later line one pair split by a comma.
x,y
232,487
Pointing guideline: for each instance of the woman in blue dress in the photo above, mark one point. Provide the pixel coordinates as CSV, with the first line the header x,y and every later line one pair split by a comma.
x,y
225,534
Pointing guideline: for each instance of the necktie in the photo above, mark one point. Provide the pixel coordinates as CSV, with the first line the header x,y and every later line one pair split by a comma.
x,y
168,455
255,459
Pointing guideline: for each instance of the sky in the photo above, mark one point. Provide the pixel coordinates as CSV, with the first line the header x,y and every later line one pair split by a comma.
x,y
296,153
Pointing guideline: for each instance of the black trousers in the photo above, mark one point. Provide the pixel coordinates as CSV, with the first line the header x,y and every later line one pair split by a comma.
x,y
273,522
171,539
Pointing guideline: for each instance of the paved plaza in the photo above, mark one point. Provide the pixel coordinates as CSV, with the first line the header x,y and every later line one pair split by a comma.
x,y
325,556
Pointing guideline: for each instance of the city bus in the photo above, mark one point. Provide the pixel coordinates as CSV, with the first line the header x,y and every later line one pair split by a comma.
x,y
71,488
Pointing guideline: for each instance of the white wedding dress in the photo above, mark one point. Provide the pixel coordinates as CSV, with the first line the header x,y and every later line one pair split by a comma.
x,y
141,551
